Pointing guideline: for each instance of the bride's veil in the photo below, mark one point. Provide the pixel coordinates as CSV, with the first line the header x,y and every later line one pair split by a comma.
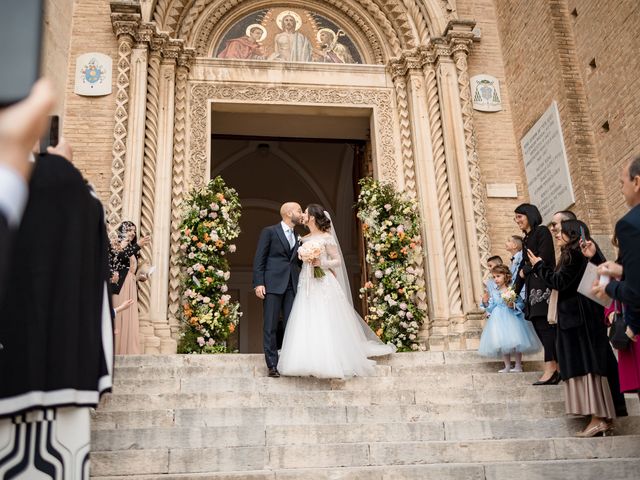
x,y
343,280
341,272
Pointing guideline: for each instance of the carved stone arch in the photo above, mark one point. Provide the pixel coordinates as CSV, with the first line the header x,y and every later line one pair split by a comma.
x,y
411,22
379,32
370,46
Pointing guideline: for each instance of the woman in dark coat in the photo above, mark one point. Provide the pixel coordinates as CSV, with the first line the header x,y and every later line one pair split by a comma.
x,y
582,343
537,240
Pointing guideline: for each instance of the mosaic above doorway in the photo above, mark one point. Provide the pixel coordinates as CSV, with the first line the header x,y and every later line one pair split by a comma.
x,y
287,35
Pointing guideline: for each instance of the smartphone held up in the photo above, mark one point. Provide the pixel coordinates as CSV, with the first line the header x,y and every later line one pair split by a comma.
x,y
20,37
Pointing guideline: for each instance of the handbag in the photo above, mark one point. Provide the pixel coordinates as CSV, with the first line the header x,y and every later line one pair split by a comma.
x,y
618,330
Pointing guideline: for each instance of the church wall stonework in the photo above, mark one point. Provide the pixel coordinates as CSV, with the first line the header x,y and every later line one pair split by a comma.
x,y
547,49
55,45
609,32
496,142
88,121
532,48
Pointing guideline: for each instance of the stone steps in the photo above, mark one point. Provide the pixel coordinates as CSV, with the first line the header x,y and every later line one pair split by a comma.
x,y
595,469
317,434
333,455
427,414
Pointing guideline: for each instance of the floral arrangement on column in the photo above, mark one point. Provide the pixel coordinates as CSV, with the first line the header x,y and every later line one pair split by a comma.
x,y
210,225
391,229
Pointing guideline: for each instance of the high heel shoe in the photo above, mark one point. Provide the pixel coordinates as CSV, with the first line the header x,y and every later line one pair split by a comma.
x,y
603,427
552,380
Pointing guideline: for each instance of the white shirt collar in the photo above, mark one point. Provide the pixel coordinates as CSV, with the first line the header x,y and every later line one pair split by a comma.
x,y
286,227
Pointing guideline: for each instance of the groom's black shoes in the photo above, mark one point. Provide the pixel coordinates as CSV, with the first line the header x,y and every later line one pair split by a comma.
x,y
274,373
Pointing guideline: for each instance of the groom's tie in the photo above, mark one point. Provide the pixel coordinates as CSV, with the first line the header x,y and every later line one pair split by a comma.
x,y
290,238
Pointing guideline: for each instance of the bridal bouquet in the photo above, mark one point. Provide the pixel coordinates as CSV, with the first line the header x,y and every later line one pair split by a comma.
x,y
310,251
509,296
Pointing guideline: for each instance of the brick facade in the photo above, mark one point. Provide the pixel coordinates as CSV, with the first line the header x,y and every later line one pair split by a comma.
x,y
538,50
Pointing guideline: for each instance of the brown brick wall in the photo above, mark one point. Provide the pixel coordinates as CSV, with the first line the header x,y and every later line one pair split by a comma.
x,y
88,121
56,38
609,32
547,52
496,143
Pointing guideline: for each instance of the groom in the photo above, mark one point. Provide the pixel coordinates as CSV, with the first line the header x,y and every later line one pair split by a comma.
x,y
275,277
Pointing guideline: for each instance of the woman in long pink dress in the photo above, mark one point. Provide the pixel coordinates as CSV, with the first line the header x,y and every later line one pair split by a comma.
x,y
127,326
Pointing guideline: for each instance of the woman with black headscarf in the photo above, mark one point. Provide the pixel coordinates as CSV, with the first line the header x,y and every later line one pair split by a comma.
x,y
582,344
537,240
124,254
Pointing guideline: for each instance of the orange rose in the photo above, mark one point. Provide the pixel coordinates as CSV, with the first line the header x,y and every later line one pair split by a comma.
x,y
225,311
379,332
201,269
220,196
199,244
194,238
232,328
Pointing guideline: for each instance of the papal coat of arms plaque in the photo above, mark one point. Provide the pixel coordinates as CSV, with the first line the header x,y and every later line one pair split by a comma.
x,y
485,93
93,74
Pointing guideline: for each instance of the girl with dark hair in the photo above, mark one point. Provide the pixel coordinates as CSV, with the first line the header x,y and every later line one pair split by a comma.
x,y
124,252
537,240
506,331
582,343
325,337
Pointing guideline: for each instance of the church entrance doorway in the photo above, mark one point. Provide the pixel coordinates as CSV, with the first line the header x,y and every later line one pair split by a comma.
x,y
268,170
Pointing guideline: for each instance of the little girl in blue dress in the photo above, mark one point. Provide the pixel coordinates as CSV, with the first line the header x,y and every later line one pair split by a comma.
x,y
507,331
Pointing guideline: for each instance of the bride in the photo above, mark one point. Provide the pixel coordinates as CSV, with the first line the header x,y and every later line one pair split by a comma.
x,y
325,337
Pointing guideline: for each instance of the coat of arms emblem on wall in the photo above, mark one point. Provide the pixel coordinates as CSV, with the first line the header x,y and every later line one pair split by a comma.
x,y
93,74
485,93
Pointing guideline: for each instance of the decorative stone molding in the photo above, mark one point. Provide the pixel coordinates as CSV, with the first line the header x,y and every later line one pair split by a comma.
x,y
178,186
404,23
378,99
444,196
150,151
460,49
124,27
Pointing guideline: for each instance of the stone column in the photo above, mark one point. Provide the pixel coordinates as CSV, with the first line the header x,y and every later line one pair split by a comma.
x,y
137,113
147,204
178,186
125,25
408,81
159,282
457,288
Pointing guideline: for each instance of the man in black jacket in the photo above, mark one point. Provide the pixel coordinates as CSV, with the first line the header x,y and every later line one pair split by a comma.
x,y
276,269
627,290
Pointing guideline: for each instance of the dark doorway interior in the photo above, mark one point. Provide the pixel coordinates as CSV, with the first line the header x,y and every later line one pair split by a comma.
x,y
267,171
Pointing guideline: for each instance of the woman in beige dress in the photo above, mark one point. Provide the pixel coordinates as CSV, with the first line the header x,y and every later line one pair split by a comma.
x,y
126,249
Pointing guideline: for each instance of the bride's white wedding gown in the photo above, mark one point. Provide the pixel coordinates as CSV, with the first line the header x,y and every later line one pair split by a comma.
x,y
325,337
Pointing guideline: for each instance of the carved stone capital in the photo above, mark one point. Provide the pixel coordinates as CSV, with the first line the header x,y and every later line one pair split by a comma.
x,y
125,18
158,42
145,34
186,58
125,26
172,49
398,68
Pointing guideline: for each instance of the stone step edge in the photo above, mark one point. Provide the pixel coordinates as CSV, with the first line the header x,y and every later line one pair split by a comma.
x,y
268,474
490,441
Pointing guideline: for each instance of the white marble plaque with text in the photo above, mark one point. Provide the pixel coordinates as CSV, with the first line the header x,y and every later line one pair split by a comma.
x,y
546,167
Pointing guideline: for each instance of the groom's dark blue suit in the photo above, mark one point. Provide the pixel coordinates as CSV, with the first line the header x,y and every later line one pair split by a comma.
x,y
277,267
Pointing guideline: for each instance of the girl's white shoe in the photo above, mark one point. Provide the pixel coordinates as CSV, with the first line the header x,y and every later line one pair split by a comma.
x,y
517,369
505,370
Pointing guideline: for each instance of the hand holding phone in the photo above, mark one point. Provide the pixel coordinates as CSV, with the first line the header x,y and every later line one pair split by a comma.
x,y
583,236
